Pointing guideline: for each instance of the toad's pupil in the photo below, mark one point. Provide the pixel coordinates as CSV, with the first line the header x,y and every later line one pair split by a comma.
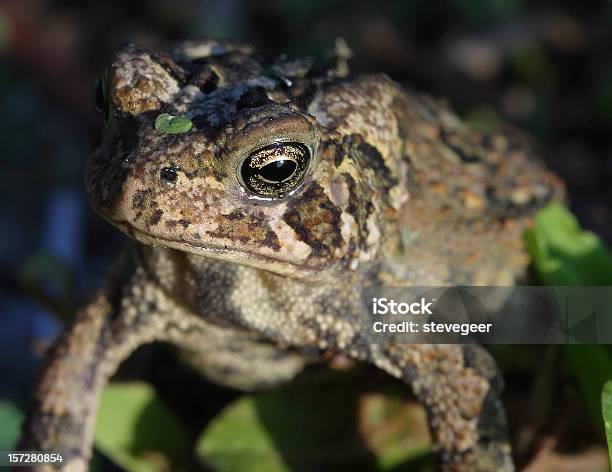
x,y
275,170
278,171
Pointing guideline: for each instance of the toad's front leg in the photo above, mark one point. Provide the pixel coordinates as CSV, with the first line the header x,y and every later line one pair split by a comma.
x,y
121,318
459,387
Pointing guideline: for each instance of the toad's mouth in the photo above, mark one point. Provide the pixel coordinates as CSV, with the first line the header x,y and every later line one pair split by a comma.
x,y
242,256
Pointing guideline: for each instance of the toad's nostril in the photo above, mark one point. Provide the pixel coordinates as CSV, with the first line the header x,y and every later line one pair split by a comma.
x,y
168,174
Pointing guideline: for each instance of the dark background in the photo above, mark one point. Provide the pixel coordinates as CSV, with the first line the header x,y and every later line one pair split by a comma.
x,y
543,65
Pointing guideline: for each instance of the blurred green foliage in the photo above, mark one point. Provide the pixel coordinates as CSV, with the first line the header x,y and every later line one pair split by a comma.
x,y
565,254
237,440
317,423
591,366
311,424
137,431
10,424
606,402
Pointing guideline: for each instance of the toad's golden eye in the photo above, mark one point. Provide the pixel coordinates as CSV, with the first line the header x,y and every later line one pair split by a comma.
x,y
275,170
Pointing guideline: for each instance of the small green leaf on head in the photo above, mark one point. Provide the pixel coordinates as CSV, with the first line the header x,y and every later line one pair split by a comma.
x,y
170,124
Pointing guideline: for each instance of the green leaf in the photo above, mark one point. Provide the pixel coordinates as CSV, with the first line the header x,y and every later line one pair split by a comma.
x,y
565,254
167,123
395,430
592,366
606,406
137,431
236,440
320,422
283,430
10,425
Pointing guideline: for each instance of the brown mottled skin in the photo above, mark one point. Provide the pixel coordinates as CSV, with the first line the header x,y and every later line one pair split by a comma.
x,y
396,190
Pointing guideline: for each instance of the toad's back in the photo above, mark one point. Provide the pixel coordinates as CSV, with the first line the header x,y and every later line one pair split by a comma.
x,y
461,199
471,197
